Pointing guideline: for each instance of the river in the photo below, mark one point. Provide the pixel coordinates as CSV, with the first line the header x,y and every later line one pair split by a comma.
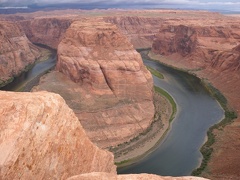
x,y
178,154
27,80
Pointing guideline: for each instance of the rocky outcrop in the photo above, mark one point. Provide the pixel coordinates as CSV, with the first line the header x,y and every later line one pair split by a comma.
x,y
45,30
41,138
108,176
139,30
16,51
199,46
112,93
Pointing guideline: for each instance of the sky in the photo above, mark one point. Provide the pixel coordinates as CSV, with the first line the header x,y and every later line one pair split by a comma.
x,y
233,5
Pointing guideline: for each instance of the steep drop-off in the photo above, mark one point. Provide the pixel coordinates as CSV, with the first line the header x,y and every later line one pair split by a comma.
x,y
199,46
212,53
45,30
41,138
16,51
108,87
139,30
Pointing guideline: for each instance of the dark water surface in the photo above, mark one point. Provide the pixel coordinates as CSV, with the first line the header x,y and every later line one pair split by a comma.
x,y
26,80
179,154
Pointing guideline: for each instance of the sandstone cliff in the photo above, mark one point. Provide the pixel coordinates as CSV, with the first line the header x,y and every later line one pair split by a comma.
x,y
112,93
41,138
16,51
45,30
211,52
202,46
139,30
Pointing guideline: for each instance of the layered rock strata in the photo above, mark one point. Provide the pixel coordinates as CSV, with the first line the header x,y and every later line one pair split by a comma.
x,y
16,51
45,30
108,86
139,30
212,53
41,138
199,46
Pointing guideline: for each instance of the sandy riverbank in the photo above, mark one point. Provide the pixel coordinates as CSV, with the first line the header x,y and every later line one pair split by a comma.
x,y
130,152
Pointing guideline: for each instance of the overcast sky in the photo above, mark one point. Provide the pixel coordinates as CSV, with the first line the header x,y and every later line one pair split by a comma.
x,y
197,4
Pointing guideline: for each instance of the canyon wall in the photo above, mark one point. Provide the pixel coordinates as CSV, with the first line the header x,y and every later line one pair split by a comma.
x,y
45,30
202,46
139,30
41,138
16,51
211,51
108,87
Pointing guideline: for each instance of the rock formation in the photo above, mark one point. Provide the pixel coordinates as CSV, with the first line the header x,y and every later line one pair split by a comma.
x,y
108,176
211,52
201,46
139,30
204,42
41,138
44,30
112,92
16,51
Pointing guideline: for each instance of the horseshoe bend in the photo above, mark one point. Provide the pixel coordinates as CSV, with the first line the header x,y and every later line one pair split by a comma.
x,y
100,96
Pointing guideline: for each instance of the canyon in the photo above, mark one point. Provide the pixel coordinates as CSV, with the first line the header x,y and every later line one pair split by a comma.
x,y
212,53
105,77
41,138
16,52
102,78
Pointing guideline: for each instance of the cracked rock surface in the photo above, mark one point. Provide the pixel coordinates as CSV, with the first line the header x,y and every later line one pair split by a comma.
x,y
103,79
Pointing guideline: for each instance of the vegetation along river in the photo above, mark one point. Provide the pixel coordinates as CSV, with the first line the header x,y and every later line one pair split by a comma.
x,y
179,152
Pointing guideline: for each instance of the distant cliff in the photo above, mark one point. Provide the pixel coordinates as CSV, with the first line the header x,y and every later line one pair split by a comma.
x,y
212,52
16,51
47,31
200,46
139,30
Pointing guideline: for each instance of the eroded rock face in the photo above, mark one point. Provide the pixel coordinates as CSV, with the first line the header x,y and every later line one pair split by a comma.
x,y
139,30
16,51
41,138
214,54
112,92
108,176
44,30
95,54
199,46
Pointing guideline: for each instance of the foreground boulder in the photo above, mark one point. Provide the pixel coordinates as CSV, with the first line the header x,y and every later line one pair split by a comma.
x,y
41,138
109,176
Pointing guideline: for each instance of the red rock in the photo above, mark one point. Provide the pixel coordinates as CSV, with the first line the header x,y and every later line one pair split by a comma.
x,y
47,31
212,53
16,51
41,138
108,176
112,93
